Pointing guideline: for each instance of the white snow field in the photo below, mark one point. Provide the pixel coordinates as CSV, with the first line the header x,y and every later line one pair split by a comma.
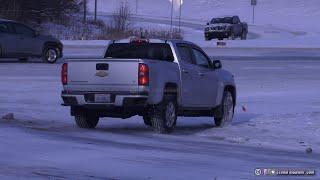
x,y
279,23
282,119
277,115
295,15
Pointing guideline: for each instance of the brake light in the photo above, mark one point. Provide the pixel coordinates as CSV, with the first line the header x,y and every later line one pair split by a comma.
x,y
143,76
64,74
139,41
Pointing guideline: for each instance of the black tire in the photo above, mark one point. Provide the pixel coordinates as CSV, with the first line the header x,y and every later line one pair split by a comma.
x,y
225,111
86,119
164,115
244,35
50,55
23,60
232,35
147,120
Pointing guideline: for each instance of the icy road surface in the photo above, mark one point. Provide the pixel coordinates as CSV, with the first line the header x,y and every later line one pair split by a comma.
x,y
277,118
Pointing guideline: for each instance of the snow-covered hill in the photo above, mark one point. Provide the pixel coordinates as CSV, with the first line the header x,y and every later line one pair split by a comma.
x,y
297,15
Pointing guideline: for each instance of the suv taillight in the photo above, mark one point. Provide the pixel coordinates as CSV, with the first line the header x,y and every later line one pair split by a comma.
x,y
143,76
64,74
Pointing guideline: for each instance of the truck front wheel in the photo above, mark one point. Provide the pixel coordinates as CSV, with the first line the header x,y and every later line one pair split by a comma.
x,y
244,35
226,110
232,35
86,119
164,115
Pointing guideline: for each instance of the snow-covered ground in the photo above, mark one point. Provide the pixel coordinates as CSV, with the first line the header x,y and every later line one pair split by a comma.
x,y
260,36
279,23
278,105
277,115
97,49
295,15
281,120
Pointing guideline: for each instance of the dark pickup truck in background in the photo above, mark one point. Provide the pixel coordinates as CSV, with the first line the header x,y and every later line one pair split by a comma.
x,y
226,27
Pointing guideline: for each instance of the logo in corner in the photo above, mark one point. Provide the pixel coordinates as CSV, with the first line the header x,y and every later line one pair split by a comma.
x,y
102,73
258,172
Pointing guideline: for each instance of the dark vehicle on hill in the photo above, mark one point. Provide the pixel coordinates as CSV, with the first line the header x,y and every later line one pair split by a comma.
x,y
20,41
226,27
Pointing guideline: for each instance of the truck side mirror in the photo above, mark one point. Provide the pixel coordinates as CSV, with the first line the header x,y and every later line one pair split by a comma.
x,y
216,64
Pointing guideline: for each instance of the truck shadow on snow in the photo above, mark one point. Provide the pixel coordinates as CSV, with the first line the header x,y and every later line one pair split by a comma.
x,y
185,126
123,128
141,129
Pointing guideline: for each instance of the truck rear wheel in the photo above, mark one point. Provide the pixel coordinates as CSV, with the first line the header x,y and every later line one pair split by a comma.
x,y
164,115
86,119
147,120
226,110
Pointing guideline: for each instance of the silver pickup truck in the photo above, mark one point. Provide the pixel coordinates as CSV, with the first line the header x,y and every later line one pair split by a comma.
x,y
158,80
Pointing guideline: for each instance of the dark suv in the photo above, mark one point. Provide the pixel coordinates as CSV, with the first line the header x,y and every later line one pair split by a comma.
x,y
20,41
226,27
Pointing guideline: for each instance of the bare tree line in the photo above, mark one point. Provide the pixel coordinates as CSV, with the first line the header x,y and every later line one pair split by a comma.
x,y
39,10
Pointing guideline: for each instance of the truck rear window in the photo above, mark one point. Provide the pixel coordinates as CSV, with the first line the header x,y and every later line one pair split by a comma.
x,y
154,51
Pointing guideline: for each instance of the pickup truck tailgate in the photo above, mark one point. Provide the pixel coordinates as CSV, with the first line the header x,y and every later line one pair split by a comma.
x,y
108,74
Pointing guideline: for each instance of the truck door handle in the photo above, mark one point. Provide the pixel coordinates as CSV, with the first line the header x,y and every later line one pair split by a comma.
x,y
185,71
102,67
201,74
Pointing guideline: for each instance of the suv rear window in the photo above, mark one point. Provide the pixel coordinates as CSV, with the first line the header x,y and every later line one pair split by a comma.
x,y
154,51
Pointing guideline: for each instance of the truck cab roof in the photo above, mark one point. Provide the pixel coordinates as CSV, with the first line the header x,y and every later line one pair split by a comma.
x,y
143,40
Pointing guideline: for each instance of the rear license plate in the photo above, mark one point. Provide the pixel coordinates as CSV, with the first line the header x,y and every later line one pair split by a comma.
x,y
102,98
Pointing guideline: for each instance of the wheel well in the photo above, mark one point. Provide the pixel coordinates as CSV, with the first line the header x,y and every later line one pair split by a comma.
x,y
232,89
49,44
52,44
171,88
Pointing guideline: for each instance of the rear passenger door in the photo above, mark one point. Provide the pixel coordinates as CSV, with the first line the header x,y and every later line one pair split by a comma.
x,y
26,38
8,40
189,77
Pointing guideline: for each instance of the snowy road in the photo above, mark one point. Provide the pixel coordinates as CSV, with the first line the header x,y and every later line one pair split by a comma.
x,y
282,118
217,52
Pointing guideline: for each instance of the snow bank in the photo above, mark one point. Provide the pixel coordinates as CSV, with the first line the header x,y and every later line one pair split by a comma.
x,y
280,110
259,37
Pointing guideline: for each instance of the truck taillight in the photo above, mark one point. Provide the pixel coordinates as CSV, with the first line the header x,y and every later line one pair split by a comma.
x,y
64,74
143,76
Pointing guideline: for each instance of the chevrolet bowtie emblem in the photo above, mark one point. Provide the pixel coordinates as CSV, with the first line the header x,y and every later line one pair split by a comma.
x,y
101,73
